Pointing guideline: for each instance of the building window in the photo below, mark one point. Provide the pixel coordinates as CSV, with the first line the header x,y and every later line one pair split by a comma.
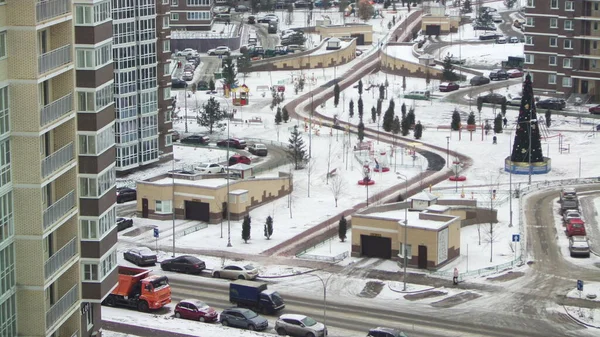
x,y
103,55
553,42
4,111
165,2
568,24
198,3
554,4
165,21
175,3
149,126
148,102
568,44
530,3
89,229
108,264
83,15
595,6
168,140
552,60
551,79
166,46
199,16
530,21
85,59
595,25
595,45
2,45
8,307
594,64
553,23
127,156
97,143
5,177
102,11
6,218
163,207
567,63
174,16
7,270
104,97
168,114
149,150
529,40
569,6
90,272
408,251
567,82
529,58
167,93
96,186
89,316
88,187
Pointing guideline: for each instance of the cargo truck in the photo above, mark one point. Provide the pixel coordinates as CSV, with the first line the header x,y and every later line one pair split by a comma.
x,y
255,296
138,289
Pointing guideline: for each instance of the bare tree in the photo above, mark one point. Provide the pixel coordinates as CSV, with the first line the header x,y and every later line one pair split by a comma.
x,y
310,170
338,184
330,149
490,235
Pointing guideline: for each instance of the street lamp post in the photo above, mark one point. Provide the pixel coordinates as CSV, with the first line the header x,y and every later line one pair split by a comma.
x,y
529,156
510,224
173,201
324,282
448,151
405,251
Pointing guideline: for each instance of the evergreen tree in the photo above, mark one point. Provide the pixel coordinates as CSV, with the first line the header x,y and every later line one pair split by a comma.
x,y
448,73
427,77
403,109
351,109
365,10
403,83
336,95
212,116
479,104
410,116
379,106
278,117
229,73
244,63
388,116
503,107
396,127
211,85
246,227
361,130
296,149
404,126
373,114
548,118
360,108
418,130
269,227
381,92
471,118
467,8
525,125
498,123
455,125
360,87
285,115
342,228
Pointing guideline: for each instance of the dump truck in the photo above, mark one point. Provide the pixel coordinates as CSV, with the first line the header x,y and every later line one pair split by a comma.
x,y
138,289
255,296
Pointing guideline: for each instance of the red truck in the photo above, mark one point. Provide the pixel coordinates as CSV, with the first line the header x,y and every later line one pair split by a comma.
x,y
138,289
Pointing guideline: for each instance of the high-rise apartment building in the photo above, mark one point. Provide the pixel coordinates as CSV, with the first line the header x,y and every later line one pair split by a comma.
x,y
141,51
192,14
562,51
57,171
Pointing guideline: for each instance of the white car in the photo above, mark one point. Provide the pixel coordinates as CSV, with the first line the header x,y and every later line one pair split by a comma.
x,y
501,40
513,39
299,325
232,271
187,76
571,214
210,168
515,101
187,52
579,246
221,50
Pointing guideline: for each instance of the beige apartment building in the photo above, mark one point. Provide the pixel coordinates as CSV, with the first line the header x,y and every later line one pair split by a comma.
x,y
57,170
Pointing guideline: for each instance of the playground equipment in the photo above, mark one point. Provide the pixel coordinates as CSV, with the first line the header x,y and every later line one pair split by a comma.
x,y
457,167
366,181
382,165
240,95
349,10
377,13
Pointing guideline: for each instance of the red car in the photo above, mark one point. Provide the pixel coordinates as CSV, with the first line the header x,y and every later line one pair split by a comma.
x,y
515,73
575,227
595,110
238,158
196,310
232,142
448,86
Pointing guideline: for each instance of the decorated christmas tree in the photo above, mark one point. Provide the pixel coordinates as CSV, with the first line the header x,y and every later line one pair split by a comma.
x,y
521,146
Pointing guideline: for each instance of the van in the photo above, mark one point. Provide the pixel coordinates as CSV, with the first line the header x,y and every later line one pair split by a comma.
x,y
418,94
295,47
222,17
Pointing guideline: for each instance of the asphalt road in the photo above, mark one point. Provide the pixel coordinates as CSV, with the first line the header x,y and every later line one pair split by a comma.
x,y
268,41
210,66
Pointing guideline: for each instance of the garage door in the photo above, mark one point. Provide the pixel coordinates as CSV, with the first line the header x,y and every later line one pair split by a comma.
x,y
376,246
195,210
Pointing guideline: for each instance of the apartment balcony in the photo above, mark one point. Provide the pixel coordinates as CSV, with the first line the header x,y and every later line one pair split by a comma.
x,y
60,258
58,159
54,59
55,110
59,209
62,306
49,9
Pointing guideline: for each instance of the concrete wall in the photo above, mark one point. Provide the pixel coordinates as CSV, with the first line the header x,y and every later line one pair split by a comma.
x,y
448,23
346,30
392,65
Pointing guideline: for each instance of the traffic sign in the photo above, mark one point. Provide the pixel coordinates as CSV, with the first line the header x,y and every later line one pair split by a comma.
x,y
580,285
516,237
156,232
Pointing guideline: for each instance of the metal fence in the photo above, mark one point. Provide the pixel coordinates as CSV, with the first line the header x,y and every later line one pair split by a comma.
x,y
57,159
58,259
191,230
49,9
324,258
54,59
62,306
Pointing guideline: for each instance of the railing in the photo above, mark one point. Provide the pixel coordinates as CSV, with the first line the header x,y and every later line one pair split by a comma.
x,y
56,109
58,259
58,209
57,159
191,230
62,306
54,59
48,9
333,259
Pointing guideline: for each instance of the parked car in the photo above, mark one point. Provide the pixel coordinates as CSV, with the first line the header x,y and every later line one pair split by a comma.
x,y
489,36
595,110
479,80
567,193
125,194
232,271
251,20
501,40
187,52
448,86
514,101
497,18
258,149
183,264
196,139
140,256
221,50
515,73
210,168
385,332
299,326
178,84
498,74
268,18
239,159
551,103
196,310
579,246
493,98
513,39
187,76
575,227
571,214
124,223
244,319
232,142
241,9
483,27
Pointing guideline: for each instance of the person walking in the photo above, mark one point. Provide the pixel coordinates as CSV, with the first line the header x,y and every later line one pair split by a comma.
x,y
455,278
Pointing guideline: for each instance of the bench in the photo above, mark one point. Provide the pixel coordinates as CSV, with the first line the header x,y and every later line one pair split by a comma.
x,y
332,173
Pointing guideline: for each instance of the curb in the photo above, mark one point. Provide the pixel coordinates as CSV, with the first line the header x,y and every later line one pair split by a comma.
x,y
578,321
288,275
410,292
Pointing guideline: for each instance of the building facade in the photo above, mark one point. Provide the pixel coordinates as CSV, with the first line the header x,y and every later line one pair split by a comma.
x,y
140,38
191,14
562,49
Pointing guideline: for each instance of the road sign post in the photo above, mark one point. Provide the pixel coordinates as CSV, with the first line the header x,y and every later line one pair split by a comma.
x,y
516,238
156,234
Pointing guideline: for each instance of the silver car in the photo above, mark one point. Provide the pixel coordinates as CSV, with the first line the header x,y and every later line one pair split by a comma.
x,y
299,326
247,272
579,246
210,168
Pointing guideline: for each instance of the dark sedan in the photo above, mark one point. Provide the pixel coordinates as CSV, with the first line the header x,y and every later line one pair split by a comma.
x,y
125,194
551,103
141,256
448,86
124,223
195,139
232,142
184,264
244,319
493,98
178,84
479,80
595,110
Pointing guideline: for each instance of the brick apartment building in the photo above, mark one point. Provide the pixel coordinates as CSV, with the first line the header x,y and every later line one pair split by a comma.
x,y
191,14
562,49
